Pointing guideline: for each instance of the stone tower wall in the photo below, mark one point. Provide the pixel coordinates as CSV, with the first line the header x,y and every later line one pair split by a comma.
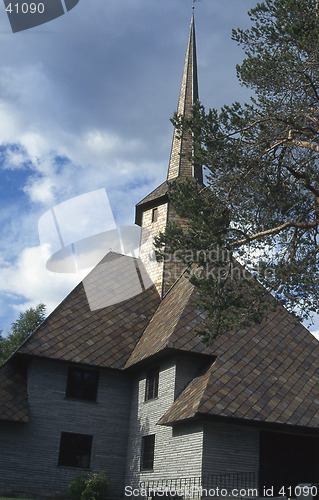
x,y
147,254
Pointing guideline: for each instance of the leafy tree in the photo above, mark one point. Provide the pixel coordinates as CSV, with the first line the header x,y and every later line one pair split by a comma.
x,y
261,204
20,330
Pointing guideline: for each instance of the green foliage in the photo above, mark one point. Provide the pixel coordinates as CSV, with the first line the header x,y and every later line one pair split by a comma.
x,y
262,162
96,487
20,330
93,486
77,486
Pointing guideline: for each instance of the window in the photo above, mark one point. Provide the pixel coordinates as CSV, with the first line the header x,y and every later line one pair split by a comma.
x,y
147,457
154,214
82,384
75,450
151,389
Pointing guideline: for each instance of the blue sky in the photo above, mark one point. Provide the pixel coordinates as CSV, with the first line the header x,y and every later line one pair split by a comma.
x,y
85,103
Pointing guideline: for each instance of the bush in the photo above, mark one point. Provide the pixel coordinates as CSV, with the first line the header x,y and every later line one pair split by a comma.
x,y
96,487
93,486
77,486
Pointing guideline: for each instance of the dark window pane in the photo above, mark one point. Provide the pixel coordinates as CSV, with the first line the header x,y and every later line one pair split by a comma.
x,y
82,384
154,214
75,450
147,458
151,390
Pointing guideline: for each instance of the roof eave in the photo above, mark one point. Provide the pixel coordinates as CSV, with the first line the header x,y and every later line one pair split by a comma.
x,y
163,353
261,424
141,207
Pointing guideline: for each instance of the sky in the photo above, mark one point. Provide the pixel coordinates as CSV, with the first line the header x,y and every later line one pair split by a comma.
x,y
85,105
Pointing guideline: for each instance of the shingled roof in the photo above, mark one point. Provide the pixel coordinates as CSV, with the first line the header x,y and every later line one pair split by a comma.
x,y
172,326
156,197
13,394
266,373
103,337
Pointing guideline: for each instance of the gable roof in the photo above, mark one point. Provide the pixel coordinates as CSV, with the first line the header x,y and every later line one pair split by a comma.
x,y
268,373
172,326
159,192
103,337
155,198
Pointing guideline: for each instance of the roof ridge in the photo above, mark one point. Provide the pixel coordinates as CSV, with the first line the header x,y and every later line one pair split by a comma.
x,y
175,283
163,326
150,194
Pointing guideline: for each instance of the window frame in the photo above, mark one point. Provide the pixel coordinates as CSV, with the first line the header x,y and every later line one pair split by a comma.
x,y
155,214
147,453
152,384
73,391
65,458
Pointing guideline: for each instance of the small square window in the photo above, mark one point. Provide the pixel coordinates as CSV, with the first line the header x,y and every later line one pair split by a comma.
x,y
75,450
82,384
151,389
154,214
147,456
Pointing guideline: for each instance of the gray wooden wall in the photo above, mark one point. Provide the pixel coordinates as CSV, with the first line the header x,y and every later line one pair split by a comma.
x,y
29,452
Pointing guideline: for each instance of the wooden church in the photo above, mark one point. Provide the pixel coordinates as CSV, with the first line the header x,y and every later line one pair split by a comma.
x,y
130,389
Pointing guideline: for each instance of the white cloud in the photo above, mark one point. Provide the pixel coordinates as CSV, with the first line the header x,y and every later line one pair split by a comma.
x,y
41,191
27,282
14,159
101,142
83,88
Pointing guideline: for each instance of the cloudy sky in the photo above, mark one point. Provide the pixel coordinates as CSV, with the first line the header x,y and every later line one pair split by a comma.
x,y
85,103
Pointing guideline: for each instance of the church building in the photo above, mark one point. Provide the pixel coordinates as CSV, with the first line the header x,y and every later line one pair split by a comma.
x,y
130,389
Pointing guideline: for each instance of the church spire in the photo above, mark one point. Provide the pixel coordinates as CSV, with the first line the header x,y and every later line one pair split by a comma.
x,y
180,164
155,211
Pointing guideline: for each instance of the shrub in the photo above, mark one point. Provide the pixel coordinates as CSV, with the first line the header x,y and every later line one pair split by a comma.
x,y
96,487
93,486
77,486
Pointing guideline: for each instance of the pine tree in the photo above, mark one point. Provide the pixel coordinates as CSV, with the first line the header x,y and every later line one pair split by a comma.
x,y
261,204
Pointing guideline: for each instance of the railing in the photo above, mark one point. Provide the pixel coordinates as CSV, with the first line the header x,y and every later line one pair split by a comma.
x,y
236,485
234,481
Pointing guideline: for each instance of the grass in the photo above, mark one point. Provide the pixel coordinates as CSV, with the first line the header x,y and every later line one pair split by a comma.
x,y
5,498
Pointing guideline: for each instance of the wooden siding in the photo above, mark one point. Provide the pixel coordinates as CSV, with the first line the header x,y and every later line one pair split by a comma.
x,y
29,452
178,453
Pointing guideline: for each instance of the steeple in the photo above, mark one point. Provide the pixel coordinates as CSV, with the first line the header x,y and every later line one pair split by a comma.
x,y
154,211
181,164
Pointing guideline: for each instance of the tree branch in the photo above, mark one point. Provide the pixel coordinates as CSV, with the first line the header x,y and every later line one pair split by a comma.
x,y
276,230
302,144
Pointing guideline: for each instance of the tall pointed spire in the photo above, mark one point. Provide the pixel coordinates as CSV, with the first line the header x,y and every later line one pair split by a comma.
x,y
155,211
181,164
